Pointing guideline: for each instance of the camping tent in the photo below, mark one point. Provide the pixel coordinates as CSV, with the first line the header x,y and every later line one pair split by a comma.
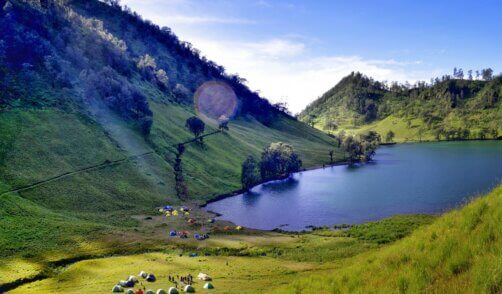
x,y
238,228
172,233
125,284
189,289
143,274
128,284
149,292
129,291
203,277
168,208
208,286
117,289
161,291
133,279
173,290
151,278
191,220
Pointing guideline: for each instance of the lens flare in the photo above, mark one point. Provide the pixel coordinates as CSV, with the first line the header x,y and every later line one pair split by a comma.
x,y
216,100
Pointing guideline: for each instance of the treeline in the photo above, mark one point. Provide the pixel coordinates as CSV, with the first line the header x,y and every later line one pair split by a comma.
x,y
277,161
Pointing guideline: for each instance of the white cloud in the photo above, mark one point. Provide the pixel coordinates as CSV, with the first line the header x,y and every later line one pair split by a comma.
x,y
283,72
283,69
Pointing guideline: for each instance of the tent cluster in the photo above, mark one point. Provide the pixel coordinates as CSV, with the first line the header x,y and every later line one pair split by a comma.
x,y
132,281
185,234
169,211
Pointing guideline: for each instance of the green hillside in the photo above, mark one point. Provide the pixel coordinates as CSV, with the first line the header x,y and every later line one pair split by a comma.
x,y
93,100
450,109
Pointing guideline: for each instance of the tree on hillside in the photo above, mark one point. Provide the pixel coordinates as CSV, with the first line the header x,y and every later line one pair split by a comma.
x,y
487,74
331,152
195,125
389,137
469,74
223,123
249,173
277,160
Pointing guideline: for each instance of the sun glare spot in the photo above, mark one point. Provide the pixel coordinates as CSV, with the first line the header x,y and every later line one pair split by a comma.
x,y
215,99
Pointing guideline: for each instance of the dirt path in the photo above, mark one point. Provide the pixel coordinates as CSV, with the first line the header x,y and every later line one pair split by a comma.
x,y
82,170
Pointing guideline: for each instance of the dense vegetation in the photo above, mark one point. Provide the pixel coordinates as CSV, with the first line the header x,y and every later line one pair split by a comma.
x,y
277,161
444,109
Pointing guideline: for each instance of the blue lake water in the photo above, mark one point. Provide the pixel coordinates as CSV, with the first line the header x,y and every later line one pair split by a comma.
x,y
403,179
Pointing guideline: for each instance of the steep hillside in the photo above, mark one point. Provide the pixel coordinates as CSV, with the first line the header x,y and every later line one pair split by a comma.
x,y
459,253
93,100
449,109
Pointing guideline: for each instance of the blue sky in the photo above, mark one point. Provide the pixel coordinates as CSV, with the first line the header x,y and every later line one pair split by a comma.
x,y
293,51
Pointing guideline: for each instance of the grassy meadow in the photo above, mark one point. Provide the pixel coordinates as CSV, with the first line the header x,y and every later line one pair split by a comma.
x,y
456,252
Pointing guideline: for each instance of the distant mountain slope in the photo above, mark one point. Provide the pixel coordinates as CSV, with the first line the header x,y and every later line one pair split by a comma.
x,y
85,84
450,109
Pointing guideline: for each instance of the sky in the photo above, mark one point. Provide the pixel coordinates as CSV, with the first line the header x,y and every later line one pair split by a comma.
x,y
294,51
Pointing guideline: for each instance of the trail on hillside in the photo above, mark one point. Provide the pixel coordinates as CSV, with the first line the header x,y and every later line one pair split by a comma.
x,y
82,170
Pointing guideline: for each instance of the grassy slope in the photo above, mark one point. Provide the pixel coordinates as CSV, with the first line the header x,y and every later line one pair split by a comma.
x,y
39,144
459,253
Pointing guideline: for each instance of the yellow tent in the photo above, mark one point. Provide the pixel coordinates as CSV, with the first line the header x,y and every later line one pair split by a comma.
x,y
187,213
238,228
175,212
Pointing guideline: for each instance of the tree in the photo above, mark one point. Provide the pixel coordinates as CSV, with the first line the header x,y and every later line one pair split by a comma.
x,y
331,152
469,74
487,74
389,137
195,125
353,148
162,79
223,123
278,160
249,173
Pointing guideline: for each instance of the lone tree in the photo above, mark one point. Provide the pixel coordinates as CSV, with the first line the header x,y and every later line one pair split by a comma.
x,y
249,173
279,160
195,125
331,152
223,123
362,148
390,136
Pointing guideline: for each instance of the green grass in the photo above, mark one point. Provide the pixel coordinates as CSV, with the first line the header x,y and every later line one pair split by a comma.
x,y
458,253
38,144
390,229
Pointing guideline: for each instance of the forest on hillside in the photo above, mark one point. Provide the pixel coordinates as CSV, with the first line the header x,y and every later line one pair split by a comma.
x,y
451,107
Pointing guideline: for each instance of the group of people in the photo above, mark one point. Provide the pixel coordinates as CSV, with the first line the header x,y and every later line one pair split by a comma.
x,y
187,280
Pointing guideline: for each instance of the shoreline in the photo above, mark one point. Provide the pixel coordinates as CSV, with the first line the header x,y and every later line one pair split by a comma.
x,y
314,167
241,191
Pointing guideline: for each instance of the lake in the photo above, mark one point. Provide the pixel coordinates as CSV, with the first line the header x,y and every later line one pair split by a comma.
x,y
402,179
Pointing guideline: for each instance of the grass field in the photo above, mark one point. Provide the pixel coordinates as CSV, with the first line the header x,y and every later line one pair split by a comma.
x,y
244,262
457,252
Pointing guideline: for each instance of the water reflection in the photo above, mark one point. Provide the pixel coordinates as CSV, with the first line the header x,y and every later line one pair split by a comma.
x,y
409,178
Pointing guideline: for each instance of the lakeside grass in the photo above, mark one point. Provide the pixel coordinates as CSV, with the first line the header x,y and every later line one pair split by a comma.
x,y
458,253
